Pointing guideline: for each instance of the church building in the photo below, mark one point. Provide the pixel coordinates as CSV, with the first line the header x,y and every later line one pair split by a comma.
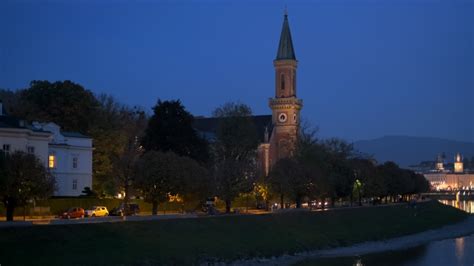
x,y
285,106
278,131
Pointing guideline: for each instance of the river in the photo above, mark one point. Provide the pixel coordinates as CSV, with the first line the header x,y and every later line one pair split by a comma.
x,y
456,252
465,205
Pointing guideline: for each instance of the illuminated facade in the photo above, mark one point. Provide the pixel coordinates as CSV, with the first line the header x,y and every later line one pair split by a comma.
x,y
458,179
69,159
458,164
68,155
280,141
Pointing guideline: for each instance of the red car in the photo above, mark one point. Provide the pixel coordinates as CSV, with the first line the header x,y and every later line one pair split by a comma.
x,y
74,212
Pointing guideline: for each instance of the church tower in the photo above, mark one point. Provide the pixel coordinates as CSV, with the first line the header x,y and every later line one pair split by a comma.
x,y
285,105
458,164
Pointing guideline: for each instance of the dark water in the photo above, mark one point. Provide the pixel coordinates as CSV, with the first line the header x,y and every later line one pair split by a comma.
x,y
456,252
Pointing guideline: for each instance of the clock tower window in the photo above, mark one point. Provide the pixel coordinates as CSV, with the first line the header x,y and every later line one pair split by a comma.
x,y
282,86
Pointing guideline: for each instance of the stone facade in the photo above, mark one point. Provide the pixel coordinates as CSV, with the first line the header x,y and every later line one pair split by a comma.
x,y
285,105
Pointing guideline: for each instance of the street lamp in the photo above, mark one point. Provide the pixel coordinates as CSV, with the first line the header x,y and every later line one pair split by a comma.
x,y
358,186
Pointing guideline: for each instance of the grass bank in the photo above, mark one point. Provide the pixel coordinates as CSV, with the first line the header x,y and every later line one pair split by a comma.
x,y
186,241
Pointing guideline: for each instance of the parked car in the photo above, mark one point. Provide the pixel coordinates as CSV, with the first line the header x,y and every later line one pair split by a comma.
x,y
97,211
74,212
125,210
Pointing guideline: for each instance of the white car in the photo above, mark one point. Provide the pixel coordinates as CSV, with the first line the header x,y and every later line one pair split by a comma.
x,y
97,211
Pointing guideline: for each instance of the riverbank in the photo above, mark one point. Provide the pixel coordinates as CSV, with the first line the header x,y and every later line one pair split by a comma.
x,y
463,228
217,239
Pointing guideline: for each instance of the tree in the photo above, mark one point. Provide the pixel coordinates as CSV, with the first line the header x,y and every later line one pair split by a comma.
x,y
129,150
159,175
116,131
171,129
109,142
234,151
287,178
63,102
325,163
10,100
365,178
23,177
422,185
391,175
192,182
154,176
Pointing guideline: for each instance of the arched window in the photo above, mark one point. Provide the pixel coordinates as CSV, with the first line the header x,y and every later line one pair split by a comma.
x,y
282,79
294,83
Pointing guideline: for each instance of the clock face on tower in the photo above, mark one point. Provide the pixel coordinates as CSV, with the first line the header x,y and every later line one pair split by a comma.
x,y
282,118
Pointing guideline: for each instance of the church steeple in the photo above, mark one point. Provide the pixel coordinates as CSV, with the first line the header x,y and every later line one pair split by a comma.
x,y
285,105
285,48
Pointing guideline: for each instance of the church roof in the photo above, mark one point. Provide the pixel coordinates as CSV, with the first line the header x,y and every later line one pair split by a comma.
x,y
207,126
285,48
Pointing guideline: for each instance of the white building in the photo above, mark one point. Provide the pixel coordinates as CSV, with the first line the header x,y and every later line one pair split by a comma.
x,y
70,160
67,154
17,135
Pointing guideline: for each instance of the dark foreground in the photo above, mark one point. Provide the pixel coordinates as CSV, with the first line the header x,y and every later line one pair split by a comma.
x,y
226,238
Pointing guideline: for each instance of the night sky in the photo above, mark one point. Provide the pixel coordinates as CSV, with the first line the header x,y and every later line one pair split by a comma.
x,y
366,68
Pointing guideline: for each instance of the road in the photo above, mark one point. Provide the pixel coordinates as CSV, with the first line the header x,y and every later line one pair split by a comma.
x,y
107,219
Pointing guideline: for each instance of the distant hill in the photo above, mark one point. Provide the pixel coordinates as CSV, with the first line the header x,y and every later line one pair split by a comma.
x,y
407,151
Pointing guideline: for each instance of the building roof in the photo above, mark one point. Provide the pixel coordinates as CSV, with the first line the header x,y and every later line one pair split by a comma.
x,y
13,122
71,134
207,126
285,48
7,121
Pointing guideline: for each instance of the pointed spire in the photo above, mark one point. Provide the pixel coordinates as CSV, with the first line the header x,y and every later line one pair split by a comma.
x,y
285,48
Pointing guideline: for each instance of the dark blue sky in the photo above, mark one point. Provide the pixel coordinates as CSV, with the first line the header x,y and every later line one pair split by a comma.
x,y
366,68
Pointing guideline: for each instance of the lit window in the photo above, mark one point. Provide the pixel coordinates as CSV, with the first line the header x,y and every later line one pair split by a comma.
x,y
31,150
74,184
52,161
74,162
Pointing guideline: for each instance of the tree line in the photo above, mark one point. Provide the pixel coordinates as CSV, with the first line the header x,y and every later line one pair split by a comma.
x,y
332,170
159,156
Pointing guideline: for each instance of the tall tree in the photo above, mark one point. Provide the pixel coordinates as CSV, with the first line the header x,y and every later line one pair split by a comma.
x,y
154,176
234,151
171,129
287,178
130,150
63,102
23,177
192,182
10,100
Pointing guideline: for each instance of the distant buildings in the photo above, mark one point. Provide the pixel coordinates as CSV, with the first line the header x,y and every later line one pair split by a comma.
x,y
456,179
67,154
